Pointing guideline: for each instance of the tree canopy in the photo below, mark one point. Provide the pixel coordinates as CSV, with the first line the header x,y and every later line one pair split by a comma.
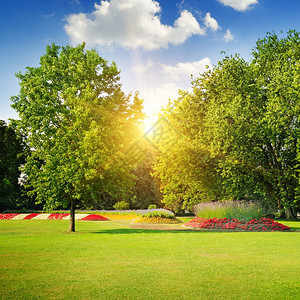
x,y
238,131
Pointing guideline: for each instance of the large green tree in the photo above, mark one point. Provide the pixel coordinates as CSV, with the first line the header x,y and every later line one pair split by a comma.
x,y
247,131
78,123
186,169
276,70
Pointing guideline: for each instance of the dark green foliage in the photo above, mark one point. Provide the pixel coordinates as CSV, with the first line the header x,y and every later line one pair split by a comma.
x,y
12,155
146,188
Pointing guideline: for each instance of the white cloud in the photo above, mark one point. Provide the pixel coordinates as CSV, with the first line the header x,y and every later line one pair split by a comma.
x,y
239,5
185,70
143,68
130,24
211,22
167,87
228,36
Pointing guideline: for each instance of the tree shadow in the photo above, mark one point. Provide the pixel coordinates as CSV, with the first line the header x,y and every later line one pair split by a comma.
x,y
164,231
146,231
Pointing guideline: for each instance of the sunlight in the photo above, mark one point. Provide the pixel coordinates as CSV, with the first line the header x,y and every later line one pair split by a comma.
x,y
149,122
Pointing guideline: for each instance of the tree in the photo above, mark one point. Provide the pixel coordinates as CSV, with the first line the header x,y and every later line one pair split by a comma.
x,y
12,155
146,190
78,123
253,120
277,72
242,121
186,170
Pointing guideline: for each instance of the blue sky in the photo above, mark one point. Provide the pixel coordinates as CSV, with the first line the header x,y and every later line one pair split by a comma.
x,y
157,45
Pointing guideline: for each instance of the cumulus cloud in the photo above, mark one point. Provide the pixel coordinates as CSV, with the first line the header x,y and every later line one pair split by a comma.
x,y
130,24
239,5
185,70
228,36
211,22
172,79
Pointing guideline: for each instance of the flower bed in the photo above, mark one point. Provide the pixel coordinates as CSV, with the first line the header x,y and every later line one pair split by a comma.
x,y
119,216
94,218
157,220
53,216
19,217
127,214
31,216
7,216
56,216
262,224
42,217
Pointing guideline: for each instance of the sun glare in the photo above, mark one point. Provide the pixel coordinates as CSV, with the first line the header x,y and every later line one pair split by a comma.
x,y
149,122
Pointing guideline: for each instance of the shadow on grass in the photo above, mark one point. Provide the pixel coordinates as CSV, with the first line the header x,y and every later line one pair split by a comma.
x,y
186,231
149,231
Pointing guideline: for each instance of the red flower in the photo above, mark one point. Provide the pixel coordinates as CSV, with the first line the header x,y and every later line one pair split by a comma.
x,y
263,224
57,216
7,216
94,218
30,216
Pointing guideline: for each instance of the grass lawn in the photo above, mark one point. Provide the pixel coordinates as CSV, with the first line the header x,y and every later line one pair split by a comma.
x,y
109,260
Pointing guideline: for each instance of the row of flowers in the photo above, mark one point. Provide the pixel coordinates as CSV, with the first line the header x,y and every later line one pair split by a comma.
x,y
262,224
53,216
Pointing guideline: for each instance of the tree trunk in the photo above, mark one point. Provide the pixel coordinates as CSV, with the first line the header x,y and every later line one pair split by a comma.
x,y
290,213
72,216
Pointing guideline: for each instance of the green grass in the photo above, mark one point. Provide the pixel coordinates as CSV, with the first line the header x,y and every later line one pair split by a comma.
x,y
109,260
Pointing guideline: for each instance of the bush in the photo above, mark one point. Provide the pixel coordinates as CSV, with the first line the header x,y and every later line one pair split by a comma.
x,y
121,205
245,211
152,206
162,214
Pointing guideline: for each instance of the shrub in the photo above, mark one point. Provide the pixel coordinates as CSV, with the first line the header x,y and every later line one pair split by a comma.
x,y
232,210
152,206
162,214
121,205
162,217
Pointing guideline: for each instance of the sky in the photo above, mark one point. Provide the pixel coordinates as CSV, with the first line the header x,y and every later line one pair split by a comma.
x,y
157,45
